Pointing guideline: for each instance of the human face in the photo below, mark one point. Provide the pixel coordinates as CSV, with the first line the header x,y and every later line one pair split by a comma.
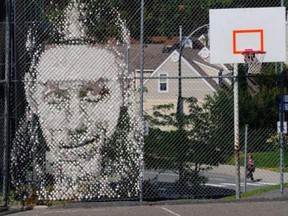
x,y
77,98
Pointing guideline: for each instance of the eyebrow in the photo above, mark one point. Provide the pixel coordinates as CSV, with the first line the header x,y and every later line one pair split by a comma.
x,y
95,86
52,89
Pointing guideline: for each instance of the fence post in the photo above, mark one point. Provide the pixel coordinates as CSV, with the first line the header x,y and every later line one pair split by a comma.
x,y
245,157
236,132
141,102
282,117
6,107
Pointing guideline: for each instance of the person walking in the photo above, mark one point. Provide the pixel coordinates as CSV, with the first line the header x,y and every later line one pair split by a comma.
x,y
250,167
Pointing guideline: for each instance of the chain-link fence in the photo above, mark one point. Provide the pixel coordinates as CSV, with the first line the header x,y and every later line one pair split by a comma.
x,y
2,96
104,107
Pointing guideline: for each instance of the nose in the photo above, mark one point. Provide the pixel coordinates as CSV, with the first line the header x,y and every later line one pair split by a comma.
x,y
75,115
80,129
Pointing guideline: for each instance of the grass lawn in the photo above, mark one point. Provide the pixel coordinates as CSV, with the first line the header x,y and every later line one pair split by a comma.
x,y
256,192
266,160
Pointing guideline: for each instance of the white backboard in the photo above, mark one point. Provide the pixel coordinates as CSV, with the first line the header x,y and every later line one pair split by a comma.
x,y
234,30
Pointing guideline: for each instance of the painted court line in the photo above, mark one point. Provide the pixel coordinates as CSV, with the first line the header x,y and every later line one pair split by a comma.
x,y
217,179
162,174
171,212
267,183
253,184
215,185
259,184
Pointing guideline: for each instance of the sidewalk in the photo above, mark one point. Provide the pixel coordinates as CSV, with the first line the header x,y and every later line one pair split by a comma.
x,y
266,175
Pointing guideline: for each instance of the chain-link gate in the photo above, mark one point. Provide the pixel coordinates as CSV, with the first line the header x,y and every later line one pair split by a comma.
x,y
106,108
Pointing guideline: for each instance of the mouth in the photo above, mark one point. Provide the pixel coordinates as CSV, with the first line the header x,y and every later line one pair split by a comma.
x,y
74,145
82,138
81,149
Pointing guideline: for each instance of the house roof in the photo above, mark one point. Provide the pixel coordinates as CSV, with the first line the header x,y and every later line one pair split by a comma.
x,y
155,54
192,55
174,41
202,73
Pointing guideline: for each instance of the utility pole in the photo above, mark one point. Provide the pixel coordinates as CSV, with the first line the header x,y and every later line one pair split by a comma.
x,y
179,111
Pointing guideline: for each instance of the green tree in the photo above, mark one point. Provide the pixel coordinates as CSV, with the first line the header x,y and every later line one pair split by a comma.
x,y
259,110
220,107
205,139
165,16
101,16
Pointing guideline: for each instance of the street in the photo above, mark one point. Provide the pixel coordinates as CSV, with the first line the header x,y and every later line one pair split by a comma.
x,y
228,181
275,208
221,180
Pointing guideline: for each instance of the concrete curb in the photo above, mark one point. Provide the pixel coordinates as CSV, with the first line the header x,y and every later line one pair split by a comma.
x,y
2,209
12,210
166,202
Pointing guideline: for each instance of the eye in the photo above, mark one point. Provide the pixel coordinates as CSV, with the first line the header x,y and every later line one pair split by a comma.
x,y
94,95
57,97
84,92
61,94
104,92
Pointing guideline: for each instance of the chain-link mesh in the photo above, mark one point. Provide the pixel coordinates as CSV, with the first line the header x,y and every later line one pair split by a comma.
x,y
2,94
189,151
77,131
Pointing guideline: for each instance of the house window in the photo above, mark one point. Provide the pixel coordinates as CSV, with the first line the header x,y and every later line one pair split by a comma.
x,y
163,83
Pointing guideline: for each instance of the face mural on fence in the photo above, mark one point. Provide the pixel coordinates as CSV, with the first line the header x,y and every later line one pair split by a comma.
x,y
77,99
76,92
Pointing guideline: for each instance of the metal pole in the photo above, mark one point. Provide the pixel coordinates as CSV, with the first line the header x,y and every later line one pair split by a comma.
x,y
205,25
281,131
179,111
180,99
6,107
236,132
245,157
141,102
281,126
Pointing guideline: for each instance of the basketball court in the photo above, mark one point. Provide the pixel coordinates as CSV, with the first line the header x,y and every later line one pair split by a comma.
x,y
246,35
207,208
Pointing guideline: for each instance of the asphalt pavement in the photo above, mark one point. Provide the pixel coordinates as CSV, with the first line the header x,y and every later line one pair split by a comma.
x,y
256,207
265,204
268,203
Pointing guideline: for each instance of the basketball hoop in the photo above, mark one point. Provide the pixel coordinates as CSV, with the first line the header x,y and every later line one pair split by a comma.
x,y
254,59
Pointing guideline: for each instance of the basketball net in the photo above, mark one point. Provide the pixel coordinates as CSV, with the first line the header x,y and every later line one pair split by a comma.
x,y
254,60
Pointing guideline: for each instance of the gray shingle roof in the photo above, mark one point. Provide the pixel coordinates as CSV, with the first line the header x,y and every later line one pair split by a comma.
x,y
154,56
